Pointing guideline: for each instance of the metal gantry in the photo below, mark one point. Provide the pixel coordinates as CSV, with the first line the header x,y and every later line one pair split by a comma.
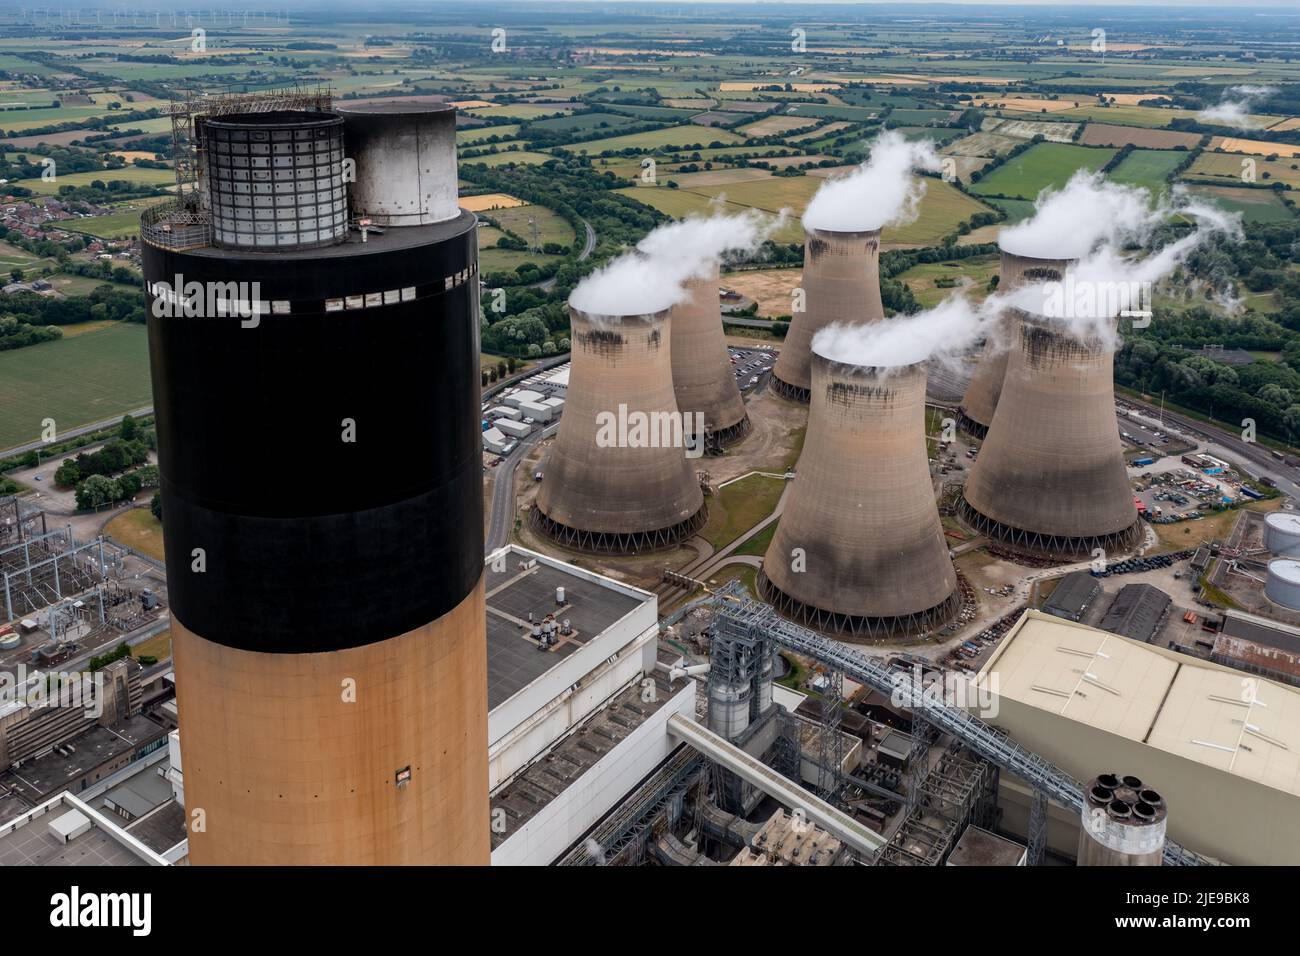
x,y
989,742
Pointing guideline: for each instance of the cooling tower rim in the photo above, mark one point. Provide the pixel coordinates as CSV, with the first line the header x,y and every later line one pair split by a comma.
x,y
1057,325
864,233
1033,251
616,319
275,119
394,109
840,367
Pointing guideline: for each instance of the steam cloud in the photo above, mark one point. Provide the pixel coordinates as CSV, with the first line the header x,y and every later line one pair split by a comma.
x,y
1084,305
1234,109
882,191
1089,210
649,279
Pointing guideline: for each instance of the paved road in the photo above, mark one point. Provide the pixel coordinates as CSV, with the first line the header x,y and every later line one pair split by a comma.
x,y
74,432
503,495
1223,443
546,285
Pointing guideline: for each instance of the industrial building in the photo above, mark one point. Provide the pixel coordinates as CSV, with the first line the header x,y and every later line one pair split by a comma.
x,y
1138,612
1258,645
702,376
1050,479
975,414
841,283
1191,729
860,549
343,318
617,478
1072,596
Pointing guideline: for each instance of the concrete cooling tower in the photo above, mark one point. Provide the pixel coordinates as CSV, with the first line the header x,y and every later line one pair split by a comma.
x,y
981,399
841,283
329,636
859,550
703,380
618,479
1050,477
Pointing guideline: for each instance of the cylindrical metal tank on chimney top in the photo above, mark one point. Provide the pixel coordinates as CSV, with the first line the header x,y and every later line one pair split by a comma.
x,y
981,399
1050,479
405,163
703,379
329,636
859,550
1122,823
618,479
841,283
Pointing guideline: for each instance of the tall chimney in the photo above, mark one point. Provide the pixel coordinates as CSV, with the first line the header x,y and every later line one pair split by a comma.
x,y
617,479
1122,824
1050,478
859,549
841,283
981,399
329,636
703,380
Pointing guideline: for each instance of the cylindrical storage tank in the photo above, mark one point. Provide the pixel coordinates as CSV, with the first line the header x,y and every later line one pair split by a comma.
x,y
274,181
1282,534
618,479
981,398
728,708
329,637
703,380
1122,823
859,550
1050,479
559,596
405,159
1282,585
841,283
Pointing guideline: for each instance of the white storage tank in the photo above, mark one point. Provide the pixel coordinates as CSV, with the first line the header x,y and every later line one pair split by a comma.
x,y
1283,583
1282,534
405,156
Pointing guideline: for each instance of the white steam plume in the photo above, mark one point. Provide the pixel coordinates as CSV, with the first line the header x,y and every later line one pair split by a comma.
x,y
1234,109
1084,304
883,191
1070,222
649,279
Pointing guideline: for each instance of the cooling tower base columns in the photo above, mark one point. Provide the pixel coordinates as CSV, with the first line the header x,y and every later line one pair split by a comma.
x,y
369,755
855,628
969,426
790,392
613,542
1049,545
715,442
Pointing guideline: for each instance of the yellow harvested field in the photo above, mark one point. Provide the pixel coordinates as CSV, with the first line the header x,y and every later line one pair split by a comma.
x,y
731,87
471,104
490,201
1030,105
945,78
830,172
770,288
1232,144
131,155
772,125
1135,99
1292,122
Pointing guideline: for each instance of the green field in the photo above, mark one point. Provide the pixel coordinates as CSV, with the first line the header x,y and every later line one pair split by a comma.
x,y
116,225
522,156
1047,164
971,274
671,136
1149,168
550,227
130,174
477,134
1255,205
75,381
519,111
583,123
1229,168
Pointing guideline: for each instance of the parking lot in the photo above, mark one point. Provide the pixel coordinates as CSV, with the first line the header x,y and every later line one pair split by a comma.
x,y
750,365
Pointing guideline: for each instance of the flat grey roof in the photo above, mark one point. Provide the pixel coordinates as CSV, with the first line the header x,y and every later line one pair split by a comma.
x,y
47,775
551,774
34,845
140,793
514,660
1283,640
162,829
979,847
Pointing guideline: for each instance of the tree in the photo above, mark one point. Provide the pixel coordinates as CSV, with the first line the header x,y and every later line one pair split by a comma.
x,y
95,491
127,430
155,505
16,274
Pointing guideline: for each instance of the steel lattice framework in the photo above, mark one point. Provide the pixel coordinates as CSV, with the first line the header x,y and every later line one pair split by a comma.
x,y
988,742
1050,545
617,542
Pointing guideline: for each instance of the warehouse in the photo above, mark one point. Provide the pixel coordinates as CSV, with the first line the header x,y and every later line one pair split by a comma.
x,y
513,429
1091,702
1138,612
1073,595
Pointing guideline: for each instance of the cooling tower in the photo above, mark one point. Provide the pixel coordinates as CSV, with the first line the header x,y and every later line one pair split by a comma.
x,y
1050,477
329,635
981,399
841,283
1122,823
859,549
618,479
703,380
